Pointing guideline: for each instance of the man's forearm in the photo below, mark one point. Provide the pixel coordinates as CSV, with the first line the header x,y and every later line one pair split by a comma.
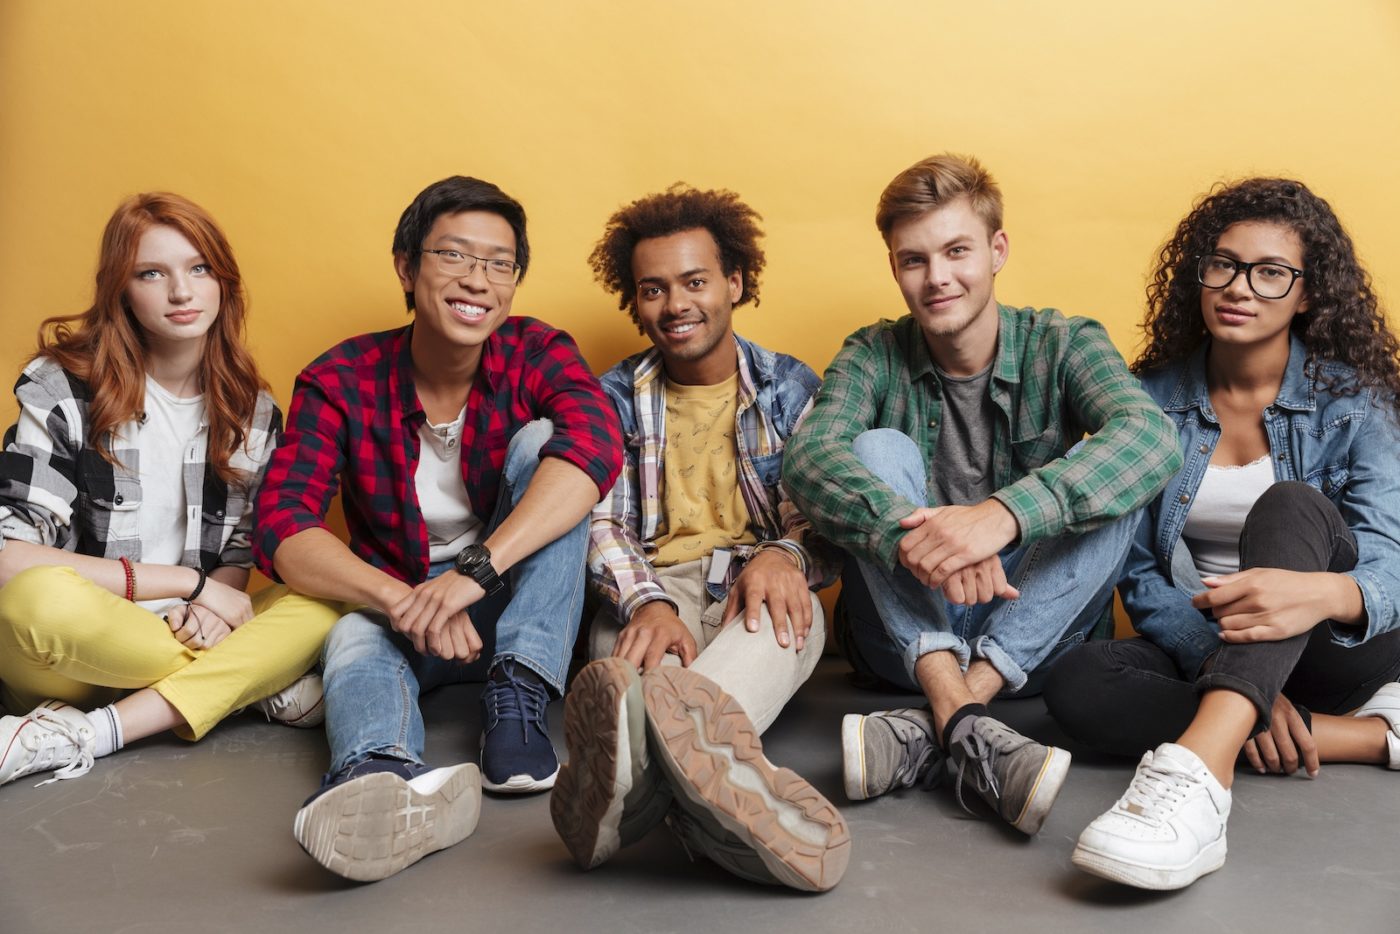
x,y
559,496
316,563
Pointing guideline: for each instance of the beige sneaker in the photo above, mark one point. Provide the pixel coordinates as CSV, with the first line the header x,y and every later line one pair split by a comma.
x,y
711,753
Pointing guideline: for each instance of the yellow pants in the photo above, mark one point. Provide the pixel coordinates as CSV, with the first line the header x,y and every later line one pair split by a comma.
x,y
64,638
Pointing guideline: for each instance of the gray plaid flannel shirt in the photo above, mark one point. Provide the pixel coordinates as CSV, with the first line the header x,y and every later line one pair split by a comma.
x,y
56,490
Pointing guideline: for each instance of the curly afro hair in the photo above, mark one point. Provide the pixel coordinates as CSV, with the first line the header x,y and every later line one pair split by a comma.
x,y
1343,322
732,223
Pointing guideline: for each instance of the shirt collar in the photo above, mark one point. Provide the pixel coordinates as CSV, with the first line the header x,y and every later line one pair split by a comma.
x,y
489,372
650,367
1005,366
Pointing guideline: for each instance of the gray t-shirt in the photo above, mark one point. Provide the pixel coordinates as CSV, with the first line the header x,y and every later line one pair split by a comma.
x,y
962,459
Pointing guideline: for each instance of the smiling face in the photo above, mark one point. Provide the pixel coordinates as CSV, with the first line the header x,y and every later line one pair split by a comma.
x,y
945,261
685,303
172,292
460,309
1235,314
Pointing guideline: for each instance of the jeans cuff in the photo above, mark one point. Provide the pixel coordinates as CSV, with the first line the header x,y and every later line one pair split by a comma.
x,y
395,752
1214,680
930,642
985,647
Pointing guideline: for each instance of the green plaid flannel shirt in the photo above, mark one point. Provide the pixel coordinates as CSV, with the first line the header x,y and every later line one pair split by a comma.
x,y
1054,380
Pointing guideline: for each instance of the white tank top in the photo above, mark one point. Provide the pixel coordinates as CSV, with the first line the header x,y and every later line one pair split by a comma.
x,y
1212,530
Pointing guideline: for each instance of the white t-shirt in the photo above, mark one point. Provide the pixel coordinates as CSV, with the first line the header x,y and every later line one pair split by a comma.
x,y
172,424
442,496
1212,530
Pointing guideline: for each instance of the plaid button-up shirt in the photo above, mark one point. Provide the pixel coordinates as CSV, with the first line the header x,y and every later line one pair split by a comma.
x,y
353,425
1054,379
57,490
775,394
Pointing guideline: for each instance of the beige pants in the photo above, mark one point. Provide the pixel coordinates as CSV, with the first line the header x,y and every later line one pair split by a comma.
x,y
750,666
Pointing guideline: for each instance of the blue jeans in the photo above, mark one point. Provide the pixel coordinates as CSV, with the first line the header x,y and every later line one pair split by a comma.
x,y
1066,585
373,676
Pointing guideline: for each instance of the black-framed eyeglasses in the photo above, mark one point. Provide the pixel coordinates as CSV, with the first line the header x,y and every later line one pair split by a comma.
x,y
1267,280
457,263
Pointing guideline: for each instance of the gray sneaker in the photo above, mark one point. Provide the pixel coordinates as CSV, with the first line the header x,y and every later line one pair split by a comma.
x,y
889,749
609,794
1017,776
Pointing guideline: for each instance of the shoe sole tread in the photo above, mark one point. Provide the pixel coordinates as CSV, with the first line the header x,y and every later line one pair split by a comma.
x,y
586,804
373,827
706,743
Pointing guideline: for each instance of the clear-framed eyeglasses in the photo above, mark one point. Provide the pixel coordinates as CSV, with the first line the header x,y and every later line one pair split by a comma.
x,y
457,263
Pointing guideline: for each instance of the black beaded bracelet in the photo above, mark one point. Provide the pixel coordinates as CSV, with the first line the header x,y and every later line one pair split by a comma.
x,y
194,594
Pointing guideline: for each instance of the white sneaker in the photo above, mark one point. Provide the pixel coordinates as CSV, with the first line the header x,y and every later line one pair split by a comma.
x,y
1385,704
300,704
1166,831
52,736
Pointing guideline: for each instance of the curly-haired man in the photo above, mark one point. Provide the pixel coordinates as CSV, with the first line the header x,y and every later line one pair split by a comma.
x,y
696,536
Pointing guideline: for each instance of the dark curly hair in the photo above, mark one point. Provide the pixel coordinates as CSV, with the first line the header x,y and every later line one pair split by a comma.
x,y
1343,321
732,223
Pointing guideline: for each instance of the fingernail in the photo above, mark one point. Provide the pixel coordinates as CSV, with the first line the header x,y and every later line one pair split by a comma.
x,y
783,639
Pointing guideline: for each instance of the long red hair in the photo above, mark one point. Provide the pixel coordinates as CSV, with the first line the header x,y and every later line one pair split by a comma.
x,y
105,347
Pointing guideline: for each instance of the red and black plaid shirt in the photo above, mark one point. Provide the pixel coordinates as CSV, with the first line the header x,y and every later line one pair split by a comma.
x,y
354,424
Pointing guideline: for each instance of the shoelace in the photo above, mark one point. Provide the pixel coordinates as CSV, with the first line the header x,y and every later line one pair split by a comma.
x,y
514,699
1156,790
52,727
984,755
916,768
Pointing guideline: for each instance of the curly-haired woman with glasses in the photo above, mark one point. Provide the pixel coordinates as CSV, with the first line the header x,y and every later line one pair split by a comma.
x,y
1264,579
126,507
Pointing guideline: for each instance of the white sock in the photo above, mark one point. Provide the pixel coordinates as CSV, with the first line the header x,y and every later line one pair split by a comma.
x,y
107,724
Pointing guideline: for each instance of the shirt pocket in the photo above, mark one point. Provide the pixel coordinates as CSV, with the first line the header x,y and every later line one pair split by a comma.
x,y
1036,450
111,508
1330,480
224,520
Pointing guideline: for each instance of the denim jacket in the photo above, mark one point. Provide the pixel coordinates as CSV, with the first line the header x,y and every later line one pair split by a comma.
x,y
1347,447
775,394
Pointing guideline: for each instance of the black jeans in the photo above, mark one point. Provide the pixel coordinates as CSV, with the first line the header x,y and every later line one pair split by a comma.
x,y
1127,696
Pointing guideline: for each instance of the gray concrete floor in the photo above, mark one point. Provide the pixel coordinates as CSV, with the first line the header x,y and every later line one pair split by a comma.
x,y
166,836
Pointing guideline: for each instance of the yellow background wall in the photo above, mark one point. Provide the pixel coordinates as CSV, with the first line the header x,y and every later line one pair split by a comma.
x,y
306,127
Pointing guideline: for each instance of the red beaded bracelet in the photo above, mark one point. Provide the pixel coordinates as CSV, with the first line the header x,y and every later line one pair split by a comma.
x,y
130,578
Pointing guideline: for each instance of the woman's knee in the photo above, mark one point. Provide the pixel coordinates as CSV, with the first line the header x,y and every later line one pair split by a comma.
x,y
44,596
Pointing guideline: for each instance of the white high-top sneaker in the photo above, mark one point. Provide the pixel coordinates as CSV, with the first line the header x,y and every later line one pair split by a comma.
x,y
51,736
1166,831
1385,704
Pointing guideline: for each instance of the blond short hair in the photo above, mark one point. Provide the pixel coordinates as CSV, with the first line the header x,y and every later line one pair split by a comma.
x,y
935,182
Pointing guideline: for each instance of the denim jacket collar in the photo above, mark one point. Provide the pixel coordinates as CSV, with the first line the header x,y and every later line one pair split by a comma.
x,y
1296,393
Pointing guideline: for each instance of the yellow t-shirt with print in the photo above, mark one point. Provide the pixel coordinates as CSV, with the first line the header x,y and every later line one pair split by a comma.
x,y
700,488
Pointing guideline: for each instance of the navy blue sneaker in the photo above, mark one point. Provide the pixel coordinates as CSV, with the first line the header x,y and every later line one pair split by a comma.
x,y
384,814
516,755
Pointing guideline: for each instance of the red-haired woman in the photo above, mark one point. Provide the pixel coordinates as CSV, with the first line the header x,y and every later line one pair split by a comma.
x,y
125,510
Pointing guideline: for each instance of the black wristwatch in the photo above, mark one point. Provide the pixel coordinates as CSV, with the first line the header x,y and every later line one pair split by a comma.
x,y
474,561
